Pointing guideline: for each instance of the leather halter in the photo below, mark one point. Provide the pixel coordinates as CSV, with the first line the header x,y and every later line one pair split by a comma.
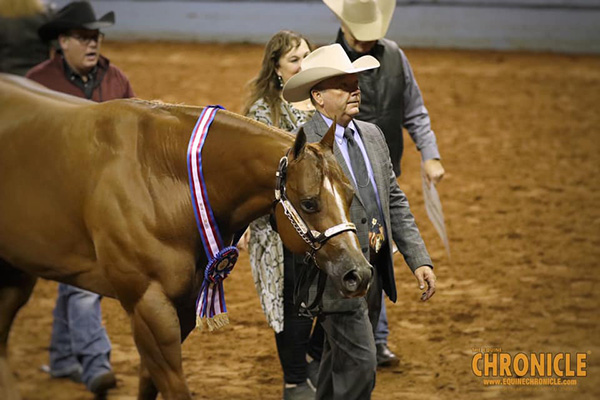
x,y
315,239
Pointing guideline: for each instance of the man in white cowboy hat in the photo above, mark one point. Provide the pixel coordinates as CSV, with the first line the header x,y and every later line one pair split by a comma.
x,y
79,346
379,210
391,99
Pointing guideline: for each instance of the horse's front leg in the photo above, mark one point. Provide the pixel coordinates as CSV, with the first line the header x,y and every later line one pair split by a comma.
x,y
147,389
157,335
15,288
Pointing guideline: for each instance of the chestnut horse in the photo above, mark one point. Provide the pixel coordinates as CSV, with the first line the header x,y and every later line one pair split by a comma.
x,y
97,196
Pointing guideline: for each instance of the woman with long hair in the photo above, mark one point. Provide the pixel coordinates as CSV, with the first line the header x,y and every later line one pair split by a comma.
x,y
272,265
284,53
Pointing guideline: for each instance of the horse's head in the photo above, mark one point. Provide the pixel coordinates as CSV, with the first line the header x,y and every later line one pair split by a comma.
x,y
316,217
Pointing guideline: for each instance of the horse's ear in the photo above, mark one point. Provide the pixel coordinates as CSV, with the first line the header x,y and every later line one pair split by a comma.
x,y
327,140
299,143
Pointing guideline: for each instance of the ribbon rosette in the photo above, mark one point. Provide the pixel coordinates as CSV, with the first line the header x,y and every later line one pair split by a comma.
x,y
211,300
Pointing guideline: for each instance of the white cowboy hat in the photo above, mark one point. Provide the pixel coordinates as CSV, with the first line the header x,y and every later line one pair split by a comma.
x,y
323,63
366,19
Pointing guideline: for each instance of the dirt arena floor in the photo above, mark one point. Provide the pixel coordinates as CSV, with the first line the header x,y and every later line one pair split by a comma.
x,y
520,141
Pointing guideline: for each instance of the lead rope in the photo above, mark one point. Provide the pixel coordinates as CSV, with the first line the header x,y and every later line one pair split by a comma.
x,y
302,289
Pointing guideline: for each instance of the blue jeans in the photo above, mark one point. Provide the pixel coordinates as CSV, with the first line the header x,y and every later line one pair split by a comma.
x,y
79,341
382,331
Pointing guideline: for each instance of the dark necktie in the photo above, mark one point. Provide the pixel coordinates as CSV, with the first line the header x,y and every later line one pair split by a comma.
x,y
361,176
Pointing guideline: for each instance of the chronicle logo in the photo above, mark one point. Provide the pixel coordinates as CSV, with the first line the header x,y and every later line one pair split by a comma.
x,y
532,369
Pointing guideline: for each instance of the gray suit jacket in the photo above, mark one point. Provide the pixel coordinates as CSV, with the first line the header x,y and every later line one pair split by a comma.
x,y
399,221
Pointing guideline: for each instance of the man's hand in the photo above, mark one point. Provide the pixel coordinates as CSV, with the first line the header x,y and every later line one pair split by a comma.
x,y
434,170
425,274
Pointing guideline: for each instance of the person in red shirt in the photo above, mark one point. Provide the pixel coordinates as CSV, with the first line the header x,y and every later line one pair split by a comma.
x,y
79,347
78,68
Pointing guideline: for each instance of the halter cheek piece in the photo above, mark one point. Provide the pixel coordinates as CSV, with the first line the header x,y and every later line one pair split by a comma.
x,y
315,239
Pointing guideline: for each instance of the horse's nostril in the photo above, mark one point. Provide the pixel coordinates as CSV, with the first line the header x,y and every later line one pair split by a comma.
x,y
351,280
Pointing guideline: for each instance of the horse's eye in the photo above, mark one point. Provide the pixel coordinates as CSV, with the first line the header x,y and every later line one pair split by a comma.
x,y
310,205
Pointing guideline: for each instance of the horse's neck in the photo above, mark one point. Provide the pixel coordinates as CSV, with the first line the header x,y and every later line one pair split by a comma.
x,y
240,158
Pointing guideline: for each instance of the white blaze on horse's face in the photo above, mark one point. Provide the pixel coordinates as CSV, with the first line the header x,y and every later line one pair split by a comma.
x,y
335,194
352,278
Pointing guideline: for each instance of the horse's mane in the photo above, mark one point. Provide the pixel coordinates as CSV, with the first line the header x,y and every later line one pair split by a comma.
x,y
260,124
173,108
194,111
157,103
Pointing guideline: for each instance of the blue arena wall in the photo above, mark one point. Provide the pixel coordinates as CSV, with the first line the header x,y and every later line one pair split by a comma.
x,y
571,26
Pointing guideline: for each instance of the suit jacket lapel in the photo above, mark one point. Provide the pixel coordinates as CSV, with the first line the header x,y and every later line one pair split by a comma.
x,y
317,126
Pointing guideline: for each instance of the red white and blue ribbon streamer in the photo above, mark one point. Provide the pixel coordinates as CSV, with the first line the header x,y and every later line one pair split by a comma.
x,y
210,304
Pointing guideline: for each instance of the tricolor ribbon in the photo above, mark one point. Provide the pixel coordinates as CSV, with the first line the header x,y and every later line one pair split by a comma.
x,y
211,299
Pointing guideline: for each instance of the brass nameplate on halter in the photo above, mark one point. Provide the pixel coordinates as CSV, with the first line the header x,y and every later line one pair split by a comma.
x,y
376,235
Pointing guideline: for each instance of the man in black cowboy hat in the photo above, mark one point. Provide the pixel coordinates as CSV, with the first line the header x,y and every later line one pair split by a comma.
x,y
79,347
79,69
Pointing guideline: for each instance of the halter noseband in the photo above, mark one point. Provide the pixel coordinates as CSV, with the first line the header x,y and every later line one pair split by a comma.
x,y
315,239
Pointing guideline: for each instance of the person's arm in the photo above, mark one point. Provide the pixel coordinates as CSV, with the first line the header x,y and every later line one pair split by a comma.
x,y
405,233
418,124
407,237
120,82
128,90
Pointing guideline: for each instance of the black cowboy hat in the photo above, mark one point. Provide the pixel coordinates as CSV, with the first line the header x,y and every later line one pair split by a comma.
x,y
76,15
